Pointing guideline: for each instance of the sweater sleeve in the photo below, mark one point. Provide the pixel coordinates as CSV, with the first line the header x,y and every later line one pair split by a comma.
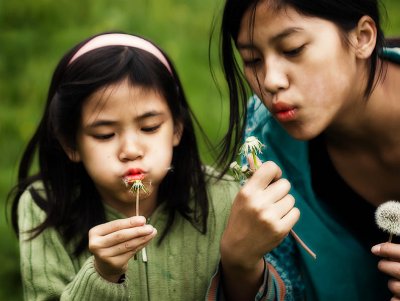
x,y
271,289
48,270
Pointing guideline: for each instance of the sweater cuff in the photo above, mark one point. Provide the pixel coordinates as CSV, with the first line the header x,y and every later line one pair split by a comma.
x,y
265,292
89,285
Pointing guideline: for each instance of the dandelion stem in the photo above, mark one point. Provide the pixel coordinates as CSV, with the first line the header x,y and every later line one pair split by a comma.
x,y
137,202
390,237
254,159
144,253
298,239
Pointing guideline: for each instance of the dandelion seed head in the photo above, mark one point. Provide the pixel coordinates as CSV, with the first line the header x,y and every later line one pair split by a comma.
x,y
137,185
234,166
387,217
250,145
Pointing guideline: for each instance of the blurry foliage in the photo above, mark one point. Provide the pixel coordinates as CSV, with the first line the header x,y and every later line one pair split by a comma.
x,y
35,34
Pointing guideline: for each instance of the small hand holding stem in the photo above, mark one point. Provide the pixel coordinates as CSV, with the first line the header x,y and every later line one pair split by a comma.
x,y
136,188
253,146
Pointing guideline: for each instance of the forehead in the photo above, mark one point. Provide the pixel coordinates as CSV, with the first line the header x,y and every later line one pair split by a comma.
x,y
123,96
267,23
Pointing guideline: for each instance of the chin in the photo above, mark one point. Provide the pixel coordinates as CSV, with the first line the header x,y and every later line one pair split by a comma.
x,y
301,133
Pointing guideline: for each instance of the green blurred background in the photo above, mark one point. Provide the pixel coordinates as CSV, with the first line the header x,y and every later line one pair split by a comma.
x,y
34,34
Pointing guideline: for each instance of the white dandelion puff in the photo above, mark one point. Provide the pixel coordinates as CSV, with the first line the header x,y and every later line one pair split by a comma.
x,y
235,168
251,146
387,217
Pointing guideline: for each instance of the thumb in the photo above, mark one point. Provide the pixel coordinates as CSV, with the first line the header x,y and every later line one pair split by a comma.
x,y
253,165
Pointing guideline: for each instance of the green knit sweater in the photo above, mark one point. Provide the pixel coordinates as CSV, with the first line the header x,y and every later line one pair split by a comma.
x,y
178,269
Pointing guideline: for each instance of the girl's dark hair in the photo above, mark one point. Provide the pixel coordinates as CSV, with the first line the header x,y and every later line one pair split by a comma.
x,y
344,13
71,202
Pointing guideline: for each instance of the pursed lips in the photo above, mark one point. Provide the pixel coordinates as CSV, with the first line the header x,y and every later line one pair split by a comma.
x,y
284,112
134,174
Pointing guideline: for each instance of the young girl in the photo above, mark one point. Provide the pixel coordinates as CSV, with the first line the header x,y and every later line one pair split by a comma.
x,y
327,108
116,113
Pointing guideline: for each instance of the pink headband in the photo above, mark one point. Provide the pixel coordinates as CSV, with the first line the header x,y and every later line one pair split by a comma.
x,y
122,40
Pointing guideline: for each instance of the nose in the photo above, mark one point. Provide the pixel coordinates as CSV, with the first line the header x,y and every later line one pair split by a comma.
x,y
130,148
275,78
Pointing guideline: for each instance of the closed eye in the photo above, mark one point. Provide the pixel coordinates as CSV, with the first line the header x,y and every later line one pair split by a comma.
x,y
294,52
151,129
251,63
103,137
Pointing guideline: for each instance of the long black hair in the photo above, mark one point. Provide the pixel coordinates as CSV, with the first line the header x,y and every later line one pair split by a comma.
x,y
344,13
71,202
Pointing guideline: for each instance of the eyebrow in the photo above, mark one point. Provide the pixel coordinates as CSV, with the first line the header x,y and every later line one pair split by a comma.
x,y
284,34
105,122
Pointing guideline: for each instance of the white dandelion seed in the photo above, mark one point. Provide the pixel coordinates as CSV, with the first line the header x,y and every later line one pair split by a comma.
x,y
235,168
251,146
387,217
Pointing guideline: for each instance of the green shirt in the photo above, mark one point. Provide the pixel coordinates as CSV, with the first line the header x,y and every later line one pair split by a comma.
x,y
178,269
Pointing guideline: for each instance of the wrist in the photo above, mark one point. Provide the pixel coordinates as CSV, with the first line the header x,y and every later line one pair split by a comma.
x,y
239,259
114,278
243,266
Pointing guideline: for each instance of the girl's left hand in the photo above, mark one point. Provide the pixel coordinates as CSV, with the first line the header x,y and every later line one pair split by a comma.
x,y
390,264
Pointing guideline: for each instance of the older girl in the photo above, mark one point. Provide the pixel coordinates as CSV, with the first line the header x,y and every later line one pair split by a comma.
x,y
326,105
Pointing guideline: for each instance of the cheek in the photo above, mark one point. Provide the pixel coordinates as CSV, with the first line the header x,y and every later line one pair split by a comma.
x,y
253,81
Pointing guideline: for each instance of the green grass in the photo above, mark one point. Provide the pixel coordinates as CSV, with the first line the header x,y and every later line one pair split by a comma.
x,y
35,34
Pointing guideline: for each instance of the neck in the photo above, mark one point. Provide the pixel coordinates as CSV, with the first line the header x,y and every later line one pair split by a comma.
x,y
373,121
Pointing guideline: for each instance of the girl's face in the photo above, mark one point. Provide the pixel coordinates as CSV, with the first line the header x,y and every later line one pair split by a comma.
x,y
300,67
126,130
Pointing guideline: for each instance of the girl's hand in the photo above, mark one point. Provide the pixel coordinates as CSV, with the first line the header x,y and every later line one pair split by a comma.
x,y
390,264
262,215
115,242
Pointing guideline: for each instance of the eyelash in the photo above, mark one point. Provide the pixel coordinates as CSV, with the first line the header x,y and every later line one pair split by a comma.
x,y
103,137
151,128
294,52
289,53
252,62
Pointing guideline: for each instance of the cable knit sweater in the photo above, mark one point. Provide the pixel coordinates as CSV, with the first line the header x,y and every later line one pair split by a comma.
x,y
178,269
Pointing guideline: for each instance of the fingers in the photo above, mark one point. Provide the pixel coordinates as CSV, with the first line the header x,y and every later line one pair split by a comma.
x,y
284,207
113,226
252,164
130,246
392,268
390,265
388,250
394,287
267,173
122,239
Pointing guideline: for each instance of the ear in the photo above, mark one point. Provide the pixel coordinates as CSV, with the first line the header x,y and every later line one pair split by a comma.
x,y
178,130
365,37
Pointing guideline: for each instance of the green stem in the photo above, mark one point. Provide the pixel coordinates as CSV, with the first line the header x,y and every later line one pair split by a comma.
x,y
254,159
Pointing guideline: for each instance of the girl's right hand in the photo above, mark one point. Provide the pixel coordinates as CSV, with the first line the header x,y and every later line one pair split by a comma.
x,y
115,242
262,215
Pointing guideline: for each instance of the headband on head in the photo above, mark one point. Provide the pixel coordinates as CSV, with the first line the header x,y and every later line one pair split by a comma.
x,y
119,39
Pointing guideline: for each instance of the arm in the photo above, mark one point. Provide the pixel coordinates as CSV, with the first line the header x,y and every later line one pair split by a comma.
x,y
261,217
50,271
272,287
